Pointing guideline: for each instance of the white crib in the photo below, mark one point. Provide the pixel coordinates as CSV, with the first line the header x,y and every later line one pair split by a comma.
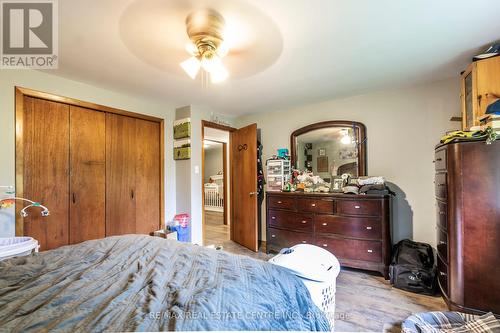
x,y
214,194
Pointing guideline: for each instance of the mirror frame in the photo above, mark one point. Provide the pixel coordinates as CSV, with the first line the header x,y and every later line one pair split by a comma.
x,y
359,128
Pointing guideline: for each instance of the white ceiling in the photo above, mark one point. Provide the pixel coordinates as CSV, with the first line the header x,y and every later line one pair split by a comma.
x,y
290,52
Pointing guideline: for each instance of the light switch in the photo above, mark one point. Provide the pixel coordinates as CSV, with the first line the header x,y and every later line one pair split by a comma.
x,y
196,169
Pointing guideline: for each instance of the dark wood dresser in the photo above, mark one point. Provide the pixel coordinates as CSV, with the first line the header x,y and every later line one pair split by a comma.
x,y
468,225
356,228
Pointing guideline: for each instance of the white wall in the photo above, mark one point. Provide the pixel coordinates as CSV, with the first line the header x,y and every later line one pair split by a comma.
x,y
60,86
189,178
403,126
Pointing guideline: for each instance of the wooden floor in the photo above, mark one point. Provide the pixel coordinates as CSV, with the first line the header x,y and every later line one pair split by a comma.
x,y
217,234
364,301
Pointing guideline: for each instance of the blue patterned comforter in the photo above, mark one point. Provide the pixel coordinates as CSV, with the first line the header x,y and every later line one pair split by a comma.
x,y
142,283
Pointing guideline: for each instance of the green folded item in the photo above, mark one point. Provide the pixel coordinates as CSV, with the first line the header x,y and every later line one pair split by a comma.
x,y
488,134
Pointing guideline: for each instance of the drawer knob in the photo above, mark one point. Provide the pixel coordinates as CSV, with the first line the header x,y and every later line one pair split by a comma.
x,y
304,222
368,228
313,205
273,236
442,213
369,251
324,223
441,184
442,242
280,202
442,273
273,217
357,207
325,245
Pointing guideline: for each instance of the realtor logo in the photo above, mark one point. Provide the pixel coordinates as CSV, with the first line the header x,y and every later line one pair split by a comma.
x,y
29,34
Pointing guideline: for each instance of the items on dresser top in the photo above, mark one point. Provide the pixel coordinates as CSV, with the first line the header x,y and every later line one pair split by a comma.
x,y
468,225
355,228
488,135
278,173
480,87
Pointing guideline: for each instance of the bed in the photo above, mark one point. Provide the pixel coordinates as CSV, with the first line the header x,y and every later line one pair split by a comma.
x,y
144,283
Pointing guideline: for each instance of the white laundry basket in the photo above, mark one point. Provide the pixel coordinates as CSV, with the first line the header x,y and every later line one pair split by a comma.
x,y
318,269
17,247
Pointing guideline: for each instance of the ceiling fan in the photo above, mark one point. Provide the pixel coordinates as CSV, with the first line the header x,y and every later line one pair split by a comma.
x,y
205,29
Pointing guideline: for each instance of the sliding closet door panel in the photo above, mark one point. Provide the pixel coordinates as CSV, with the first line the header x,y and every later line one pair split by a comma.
x,y
88,174
147,176
120,174
46,169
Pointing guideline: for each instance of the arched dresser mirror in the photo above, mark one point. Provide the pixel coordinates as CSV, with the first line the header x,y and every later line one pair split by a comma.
x,y
330,148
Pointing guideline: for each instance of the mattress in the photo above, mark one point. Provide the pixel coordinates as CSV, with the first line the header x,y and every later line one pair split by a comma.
x,y
143,283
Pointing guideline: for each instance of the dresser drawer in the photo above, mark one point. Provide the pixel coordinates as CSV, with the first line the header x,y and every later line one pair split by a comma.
x,y
442,244
352,249
360,207
319,205
440,160
360,227
281,202
290,220
278,239
441,186
442,215
442,271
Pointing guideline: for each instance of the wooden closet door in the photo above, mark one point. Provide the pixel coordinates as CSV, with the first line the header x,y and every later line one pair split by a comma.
x,y
147,176
120,174
88,174
46,169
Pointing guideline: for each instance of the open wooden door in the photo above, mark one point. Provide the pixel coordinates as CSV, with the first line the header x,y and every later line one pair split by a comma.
x,y
244,187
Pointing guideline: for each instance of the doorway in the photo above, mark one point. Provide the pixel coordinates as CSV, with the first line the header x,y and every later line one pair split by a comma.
x,y
216,191
215,194
238,231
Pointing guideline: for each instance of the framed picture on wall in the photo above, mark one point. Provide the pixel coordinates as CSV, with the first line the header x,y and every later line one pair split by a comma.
x,y
322,164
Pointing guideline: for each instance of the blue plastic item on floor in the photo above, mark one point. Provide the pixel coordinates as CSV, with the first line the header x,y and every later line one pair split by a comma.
x,y
183,234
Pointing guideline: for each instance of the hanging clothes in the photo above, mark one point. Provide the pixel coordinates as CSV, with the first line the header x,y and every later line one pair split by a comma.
x,y
261,181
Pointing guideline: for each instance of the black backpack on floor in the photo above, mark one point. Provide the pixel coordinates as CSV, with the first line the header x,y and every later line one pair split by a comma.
x,y
412,267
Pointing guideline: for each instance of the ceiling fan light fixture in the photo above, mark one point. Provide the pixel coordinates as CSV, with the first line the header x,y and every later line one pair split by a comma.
x,y
191,49
205,30
219,75
223,50
191,66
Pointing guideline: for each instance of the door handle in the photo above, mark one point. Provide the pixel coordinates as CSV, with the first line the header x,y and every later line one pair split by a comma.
x,y
254,193
74,198
132,194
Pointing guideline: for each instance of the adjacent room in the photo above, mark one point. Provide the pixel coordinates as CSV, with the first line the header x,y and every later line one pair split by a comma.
x,y
236,165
